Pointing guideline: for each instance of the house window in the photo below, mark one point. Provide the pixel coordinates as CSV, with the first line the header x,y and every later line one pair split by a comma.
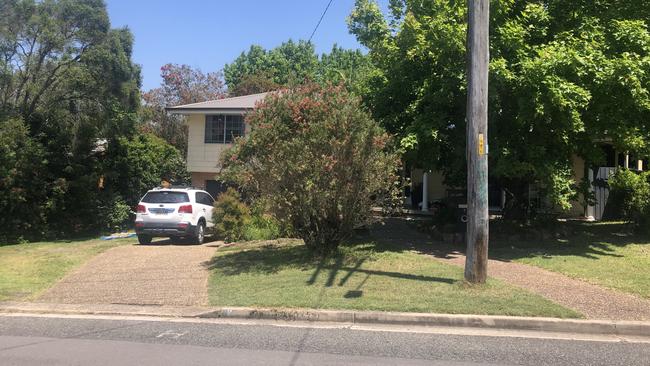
x,y
234,127
223,128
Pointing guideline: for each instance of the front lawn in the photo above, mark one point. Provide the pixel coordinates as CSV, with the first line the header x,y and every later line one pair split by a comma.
x,y
364,276
603,253
28,269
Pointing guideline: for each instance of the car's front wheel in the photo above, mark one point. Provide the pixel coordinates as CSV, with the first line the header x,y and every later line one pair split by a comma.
x,y
144,239
199,235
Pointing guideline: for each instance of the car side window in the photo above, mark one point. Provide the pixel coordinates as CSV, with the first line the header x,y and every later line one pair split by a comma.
x,y
203,199
209,200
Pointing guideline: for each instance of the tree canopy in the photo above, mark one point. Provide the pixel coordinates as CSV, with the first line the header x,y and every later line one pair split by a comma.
x,y
181,84
260,70
565,76
69,96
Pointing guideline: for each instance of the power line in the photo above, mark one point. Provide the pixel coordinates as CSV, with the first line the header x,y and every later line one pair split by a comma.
x,y
320,20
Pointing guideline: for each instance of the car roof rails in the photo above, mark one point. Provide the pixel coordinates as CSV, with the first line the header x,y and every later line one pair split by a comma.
x,y
176,187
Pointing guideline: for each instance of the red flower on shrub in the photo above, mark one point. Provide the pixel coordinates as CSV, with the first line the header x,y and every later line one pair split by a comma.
x,y
320,161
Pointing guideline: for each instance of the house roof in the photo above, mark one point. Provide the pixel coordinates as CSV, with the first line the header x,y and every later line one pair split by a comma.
x,y
234,104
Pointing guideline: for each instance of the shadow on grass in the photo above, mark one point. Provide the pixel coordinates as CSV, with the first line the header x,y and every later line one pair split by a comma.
x,y
507,243
76,239
397,235
349,260
579,239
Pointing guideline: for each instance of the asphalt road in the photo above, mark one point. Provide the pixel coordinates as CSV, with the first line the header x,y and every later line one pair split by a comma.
x,y
36,340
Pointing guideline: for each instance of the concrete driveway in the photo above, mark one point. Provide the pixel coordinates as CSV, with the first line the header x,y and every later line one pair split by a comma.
x,y
156,274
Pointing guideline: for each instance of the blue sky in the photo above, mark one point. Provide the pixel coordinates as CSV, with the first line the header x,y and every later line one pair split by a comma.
x,y
208,34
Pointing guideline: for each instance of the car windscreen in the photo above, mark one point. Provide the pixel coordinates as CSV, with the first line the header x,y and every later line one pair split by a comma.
x,y
165,197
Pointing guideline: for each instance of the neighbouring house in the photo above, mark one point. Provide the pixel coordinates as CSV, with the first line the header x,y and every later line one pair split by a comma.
x,y
427,188
213,125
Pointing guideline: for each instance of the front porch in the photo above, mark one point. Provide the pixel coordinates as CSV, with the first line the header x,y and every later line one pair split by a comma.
x,y
427,189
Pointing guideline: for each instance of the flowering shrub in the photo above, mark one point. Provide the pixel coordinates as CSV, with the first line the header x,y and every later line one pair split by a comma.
x,y
319,159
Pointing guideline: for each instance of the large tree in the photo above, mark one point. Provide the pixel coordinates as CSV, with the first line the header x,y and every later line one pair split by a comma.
x,y
69,97
258,82
291,63
564,77
181,84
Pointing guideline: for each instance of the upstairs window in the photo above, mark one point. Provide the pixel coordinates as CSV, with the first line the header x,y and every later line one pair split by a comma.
x,y
223,128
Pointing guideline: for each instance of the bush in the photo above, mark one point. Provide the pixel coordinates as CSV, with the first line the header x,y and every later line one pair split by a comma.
x,y
92,191
319,159
140,163
23,186
231,216
263,226
630,194
114,214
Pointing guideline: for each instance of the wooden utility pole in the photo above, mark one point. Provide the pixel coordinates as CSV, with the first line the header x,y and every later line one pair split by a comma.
x,y
478,45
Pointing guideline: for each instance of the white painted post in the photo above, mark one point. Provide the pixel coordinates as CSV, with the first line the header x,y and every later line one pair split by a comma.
x,y
591,210
425,191
627,161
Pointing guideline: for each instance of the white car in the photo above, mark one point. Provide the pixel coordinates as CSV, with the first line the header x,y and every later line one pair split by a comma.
x,y
184,212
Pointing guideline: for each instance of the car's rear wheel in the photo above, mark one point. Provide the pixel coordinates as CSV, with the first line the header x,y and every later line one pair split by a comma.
x,y
144,239
199,234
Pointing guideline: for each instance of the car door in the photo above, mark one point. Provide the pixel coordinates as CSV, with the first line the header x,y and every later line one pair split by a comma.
x,y
206,203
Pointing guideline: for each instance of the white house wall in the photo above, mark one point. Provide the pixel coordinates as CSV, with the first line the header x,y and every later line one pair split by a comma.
x,y
435,182
202,157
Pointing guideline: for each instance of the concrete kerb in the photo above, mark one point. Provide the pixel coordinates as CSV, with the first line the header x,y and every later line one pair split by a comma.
x,y
555,325
103,309
609,327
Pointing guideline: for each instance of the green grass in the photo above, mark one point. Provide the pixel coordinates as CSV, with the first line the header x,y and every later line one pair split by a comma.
x,y
601,253
363,276
28,269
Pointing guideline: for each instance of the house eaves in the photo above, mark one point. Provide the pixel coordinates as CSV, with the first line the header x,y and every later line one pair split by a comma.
x,y
227,105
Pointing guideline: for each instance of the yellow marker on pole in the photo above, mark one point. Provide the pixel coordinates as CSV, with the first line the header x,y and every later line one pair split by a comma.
x,y
481,145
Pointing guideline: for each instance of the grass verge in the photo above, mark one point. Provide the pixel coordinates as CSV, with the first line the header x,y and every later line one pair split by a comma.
x,y
603,253
363,276
28,269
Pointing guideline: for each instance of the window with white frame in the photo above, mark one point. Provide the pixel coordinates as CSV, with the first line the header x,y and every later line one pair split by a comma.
x,y
223,128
